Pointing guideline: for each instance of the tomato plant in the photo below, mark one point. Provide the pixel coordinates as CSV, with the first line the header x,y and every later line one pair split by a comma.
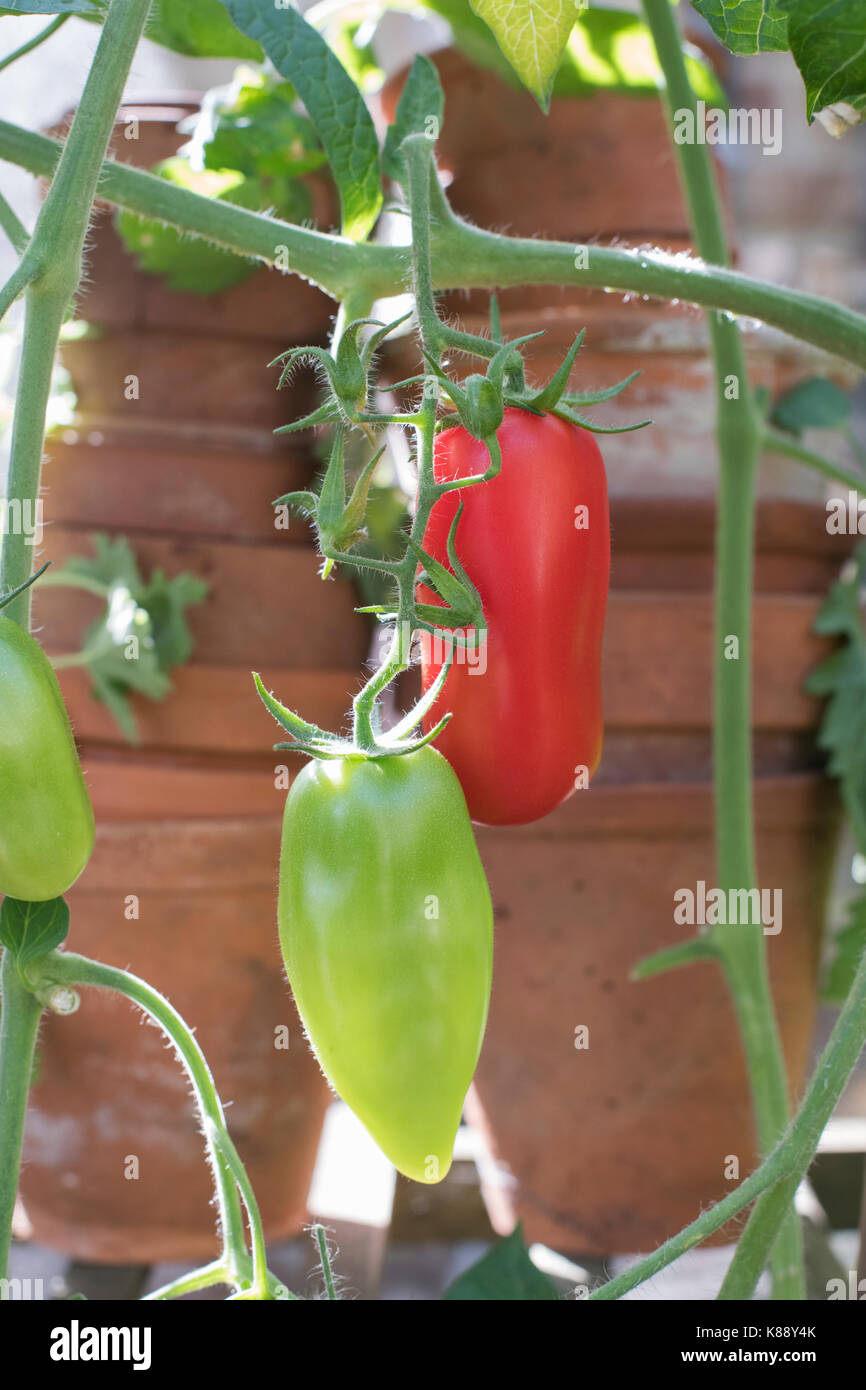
x,y
384,911
386,927
535,541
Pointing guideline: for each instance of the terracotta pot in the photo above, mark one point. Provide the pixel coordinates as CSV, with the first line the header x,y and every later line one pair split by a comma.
x,y
95,484
183,377
113,1162
609,1148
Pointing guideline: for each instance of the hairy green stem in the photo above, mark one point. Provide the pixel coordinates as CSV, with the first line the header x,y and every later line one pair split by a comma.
x,y
420,163
741,949
784,1168
43,319
20,1012
463,256
66,968
51,269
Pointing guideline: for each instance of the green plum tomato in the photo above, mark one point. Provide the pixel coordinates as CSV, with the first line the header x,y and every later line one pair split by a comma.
x,y
386,927
46,820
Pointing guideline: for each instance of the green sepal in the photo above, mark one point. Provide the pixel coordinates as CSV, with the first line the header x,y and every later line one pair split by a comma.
x,y
573,418
324,415
340,523
349,376
375,340
549,395
483,406
301,354
13,593
572,398
291,722
305,502
413,717
464,607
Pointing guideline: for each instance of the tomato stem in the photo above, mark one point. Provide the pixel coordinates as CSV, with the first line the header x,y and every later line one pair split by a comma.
x,y
463,257
741,952
19,1023
50,271
64,967
775,1181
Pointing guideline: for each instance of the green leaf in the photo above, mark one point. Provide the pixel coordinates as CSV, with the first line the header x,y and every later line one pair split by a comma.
x,y
165,601
112,564
746,26
842,678
532,34
813,404
199,28
335,105
253,126
33,929
828,41
608,49
143,632
847,950
419,112
504,1273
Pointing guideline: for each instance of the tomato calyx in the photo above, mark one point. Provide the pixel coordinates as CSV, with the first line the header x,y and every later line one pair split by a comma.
x,y
462,602
479,404
346,371
395,742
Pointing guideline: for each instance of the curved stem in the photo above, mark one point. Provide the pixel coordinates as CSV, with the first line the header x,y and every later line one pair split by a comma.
x,y
20,1012
37,39
785,1166
741,951
463,257
776,442
64,967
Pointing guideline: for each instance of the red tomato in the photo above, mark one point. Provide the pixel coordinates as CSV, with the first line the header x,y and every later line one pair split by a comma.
x,y
535,540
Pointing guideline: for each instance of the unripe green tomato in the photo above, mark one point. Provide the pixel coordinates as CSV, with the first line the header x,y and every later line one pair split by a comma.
x,y
46,820
386,927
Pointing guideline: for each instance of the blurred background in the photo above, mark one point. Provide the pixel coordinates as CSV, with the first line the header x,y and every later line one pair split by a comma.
x,y
160,471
